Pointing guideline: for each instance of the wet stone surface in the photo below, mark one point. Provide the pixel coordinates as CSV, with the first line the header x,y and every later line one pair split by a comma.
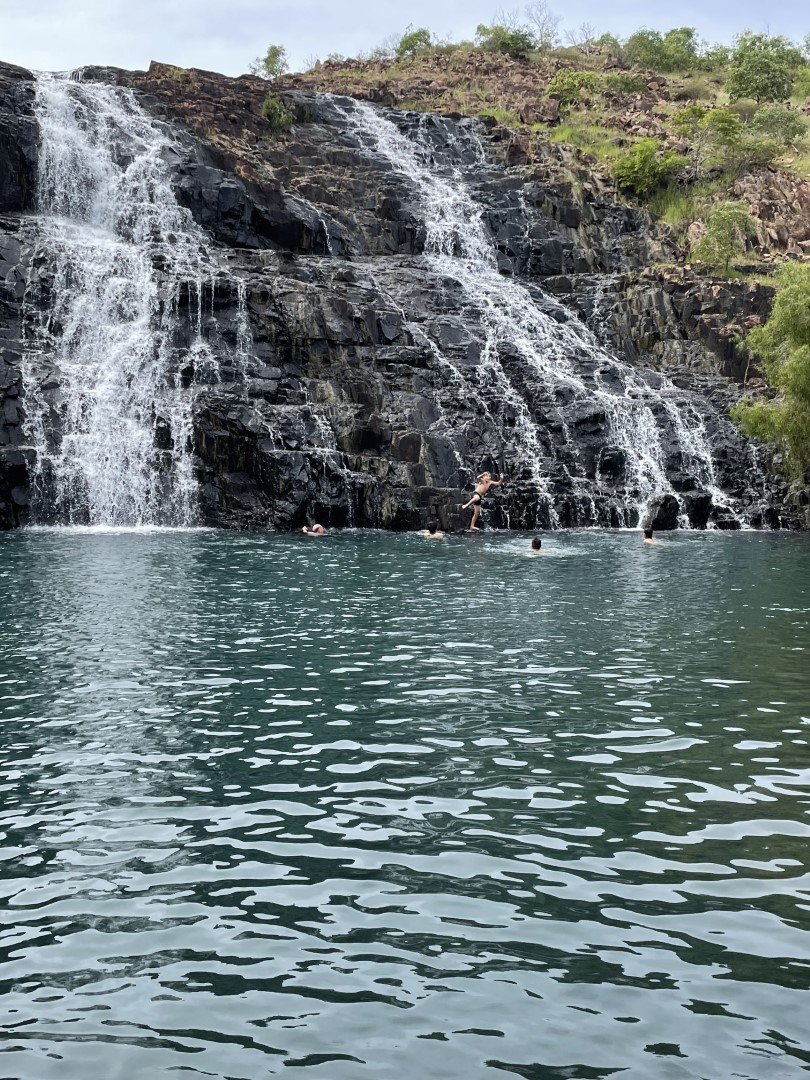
x,y
380,372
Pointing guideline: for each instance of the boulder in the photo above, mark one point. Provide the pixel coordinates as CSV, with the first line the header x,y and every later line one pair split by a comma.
x,y
662,513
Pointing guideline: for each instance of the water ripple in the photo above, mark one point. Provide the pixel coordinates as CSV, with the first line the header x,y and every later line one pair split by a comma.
x,y
382,808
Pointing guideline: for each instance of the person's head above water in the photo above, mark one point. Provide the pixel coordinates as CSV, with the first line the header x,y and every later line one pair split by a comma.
x,y
537,543
648,534
433,525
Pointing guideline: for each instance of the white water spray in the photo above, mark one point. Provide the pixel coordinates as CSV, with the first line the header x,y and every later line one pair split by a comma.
x,y
125,334
458,246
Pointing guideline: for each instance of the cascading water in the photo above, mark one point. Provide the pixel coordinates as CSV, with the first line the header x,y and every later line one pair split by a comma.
x,y
640,418
121,262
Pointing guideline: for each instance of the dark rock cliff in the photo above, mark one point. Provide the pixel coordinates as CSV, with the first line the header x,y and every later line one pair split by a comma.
x,y
18,156
356,406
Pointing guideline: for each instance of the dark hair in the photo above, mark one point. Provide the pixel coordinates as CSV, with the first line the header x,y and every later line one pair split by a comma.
x,y
537,543
648,534
433,525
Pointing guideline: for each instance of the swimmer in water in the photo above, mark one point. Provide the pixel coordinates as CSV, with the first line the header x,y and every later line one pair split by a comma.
x,y
648,537
537,546
482,485
315,530
432,532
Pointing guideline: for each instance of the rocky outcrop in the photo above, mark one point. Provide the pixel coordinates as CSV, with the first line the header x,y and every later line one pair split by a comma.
x,y
370,396
780,207
18,139
674,319
519,91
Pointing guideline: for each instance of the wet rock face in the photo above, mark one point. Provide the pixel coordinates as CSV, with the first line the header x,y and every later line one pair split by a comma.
x,y
18,140
371,397
18,157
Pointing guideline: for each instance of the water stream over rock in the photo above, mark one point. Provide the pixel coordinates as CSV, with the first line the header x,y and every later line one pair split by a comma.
x,y
352,334
125,337
640,417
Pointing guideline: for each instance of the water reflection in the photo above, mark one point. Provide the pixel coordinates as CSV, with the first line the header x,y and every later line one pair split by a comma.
x,y
376,807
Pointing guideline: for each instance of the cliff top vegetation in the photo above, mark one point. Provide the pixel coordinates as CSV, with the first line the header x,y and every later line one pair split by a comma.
x,y
680,124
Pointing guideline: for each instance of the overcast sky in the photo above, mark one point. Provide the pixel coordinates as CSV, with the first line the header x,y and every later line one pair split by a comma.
x,y
225,35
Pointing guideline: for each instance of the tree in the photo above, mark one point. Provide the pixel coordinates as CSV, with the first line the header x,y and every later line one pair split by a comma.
x,y
762,68
711,132
676,50
610,44
414,41
272,64
583,38
544,24
784,345
645,48
728,228
715,58
644,167
516,41
681,48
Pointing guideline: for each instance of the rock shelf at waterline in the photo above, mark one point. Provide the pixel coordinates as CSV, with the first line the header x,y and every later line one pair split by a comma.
x,y
348,323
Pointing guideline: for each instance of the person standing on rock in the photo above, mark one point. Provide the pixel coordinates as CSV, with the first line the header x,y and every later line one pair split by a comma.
x,y
482,485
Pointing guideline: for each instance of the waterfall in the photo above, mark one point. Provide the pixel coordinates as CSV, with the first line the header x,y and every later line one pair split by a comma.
x,y
640,417
125,330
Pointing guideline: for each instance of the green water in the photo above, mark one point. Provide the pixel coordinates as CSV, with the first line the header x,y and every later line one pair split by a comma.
x,y
374,806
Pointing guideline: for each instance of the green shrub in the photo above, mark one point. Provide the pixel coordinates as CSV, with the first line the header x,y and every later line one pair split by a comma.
x,y
784,345
750,152
272,64
784,126
644,167
801,86
743,109
621,82
597,139
276,113
570,53
679,205
413,42
515,41
572,86
698,88
728,228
